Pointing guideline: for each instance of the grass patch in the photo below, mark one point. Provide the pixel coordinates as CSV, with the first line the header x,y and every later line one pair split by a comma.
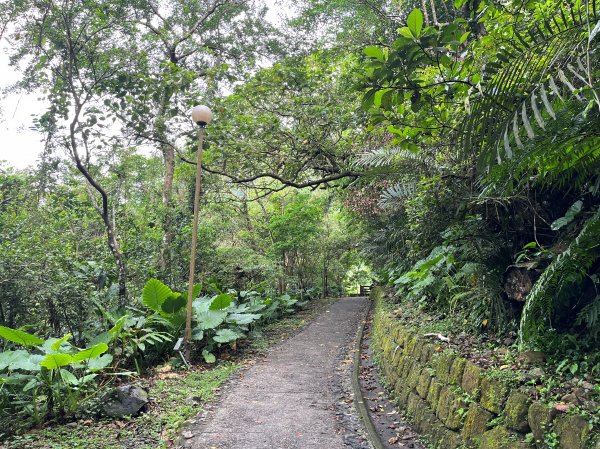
x,y
172,403
175,397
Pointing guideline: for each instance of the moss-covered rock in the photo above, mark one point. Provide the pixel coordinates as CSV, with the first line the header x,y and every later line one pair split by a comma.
x,y
539,417
449,439
399,334
500,438
443,404
441,364
423,383
471,379
433,395
476,422
426,353
456,371
414,375
430,424
456,412
407,367
493,395
420,409
402,391
515,411
410,345
572,431
417,349
412,403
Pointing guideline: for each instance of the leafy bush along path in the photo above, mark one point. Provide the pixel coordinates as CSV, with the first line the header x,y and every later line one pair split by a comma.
x,y
294,397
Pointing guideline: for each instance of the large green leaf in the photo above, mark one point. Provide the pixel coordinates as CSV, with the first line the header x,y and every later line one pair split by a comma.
x,y
196,291
243,318
154,294
20,337
116,329
221,301
100,362
104,337
210,319
21,360
415,22
68,377
569,216
91,352
374,52
209,357
55,346
201,305
197,334
174,303
31,363
53,361
226,335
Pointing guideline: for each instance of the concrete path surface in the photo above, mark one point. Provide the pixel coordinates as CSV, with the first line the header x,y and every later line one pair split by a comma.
x,y
297,397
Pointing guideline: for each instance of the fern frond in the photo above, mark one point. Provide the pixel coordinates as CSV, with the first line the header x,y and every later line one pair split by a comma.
x,y
389,157
524,89
590,316
558,281
395,194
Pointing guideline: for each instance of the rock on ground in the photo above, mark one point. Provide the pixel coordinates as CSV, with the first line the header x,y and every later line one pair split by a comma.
x,y
124,401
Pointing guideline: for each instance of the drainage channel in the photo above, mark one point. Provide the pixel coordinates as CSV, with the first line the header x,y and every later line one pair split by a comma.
x,y
384,422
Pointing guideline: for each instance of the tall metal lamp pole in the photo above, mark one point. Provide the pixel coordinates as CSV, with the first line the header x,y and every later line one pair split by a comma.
x,y
202,116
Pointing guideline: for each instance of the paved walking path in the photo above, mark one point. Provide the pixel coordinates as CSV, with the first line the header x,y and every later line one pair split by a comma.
x,y
297,397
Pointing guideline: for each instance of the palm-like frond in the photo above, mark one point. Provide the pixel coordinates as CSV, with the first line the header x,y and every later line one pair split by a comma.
x,y
389,157
545,73
395,194
557,282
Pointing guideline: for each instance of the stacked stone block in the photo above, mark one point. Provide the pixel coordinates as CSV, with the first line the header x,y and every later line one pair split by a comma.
x,y
454,404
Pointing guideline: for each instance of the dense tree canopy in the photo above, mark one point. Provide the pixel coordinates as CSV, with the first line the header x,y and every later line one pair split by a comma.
x,y
447,150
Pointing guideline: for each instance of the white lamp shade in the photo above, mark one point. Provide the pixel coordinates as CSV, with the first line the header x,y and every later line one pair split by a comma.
x,y
202,115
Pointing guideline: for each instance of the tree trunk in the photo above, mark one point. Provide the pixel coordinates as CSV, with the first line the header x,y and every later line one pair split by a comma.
x,y
111,234
168,153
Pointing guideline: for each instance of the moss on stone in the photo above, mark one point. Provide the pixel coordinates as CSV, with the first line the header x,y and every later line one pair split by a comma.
x,y
423,383
441,364
410,345
498,438
456,371
443,404
572,431
515,412
417,349
430,424
539,417
451,440
414,374
433,395
411,404
402,391
420,409
456,411
426,352
471,379
493,395
476,422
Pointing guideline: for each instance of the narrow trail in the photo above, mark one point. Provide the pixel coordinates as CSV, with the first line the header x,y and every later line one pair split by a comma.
x,y
299,396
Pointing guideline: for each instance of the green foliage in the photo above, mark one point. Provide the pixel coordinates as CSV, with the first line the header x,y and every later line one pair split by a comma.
x,y
560,282
51,374
155,293
19,337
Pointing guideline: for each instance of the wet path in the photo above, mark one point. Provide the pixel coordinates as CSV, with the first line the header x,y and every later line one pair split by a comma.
x,y
297,397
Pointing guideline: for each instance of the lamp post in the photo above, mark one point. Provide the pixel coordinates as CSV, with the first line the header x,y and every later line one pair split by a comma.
x,y
202,116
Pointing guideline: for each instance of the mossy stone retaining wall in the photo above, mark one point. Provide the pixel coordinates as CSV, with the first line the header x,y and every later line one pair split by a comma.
x,y
453,403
